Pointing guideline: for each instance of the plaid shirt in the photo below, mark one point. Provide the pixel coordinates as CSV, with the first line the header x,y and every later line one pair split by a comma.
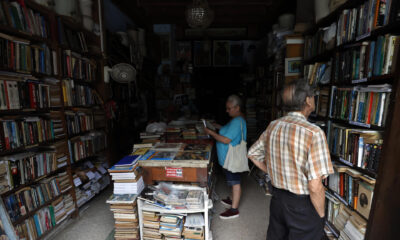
x,y
295,151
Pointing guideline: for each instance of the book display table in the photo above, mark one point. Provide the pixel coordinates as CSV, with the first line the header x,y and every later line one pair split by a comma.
x,y
183,170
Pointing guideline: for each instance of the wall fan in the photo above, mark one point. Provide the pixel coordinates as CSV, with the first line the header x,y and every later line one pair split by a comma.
x,y
123,73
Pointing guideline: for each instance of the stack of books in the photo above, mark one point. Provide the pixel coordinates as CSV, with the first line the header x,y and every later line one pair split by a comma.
x,y
151,226
171,226
194,199
350,224
125,214
126,176
150,137
63,182
194,226
5,178
189,133
57,119
69,204
59,210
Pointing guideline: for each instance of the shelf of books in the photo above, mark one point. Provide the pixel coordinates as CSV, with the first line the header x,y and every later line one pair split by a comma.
x,y
52,129
351,58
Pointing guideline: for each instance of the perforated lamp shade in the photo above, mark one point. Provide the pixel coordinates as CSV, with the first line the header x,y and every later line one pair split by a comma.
x,y
199,15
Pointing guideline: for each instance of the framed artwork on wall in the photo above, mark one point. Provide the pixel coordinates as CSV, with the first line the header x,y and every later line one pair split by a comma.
x,y
221,53
202,53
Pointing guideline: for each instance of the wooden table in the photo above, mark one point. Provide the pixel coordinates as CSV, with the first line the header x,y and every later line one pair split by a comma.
x,y
193,171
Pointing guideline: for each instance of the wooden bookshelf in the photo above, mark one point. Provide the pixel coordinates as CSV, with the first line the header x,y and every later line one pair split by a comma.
x,y
31,213
92,44
386,195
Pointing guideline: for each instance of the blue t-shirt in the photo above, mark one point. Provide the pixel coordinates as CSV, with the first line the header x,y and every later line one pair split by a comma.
x,y
231,131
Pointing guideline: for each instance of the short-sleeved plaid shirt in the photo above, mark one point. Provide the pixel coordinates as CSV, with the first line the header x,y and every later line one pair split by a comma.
x,y
295,151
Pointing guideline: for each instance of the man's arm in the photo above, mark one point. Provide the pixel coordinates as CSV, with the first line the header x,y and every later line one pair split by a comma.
x,y
256,153
317,195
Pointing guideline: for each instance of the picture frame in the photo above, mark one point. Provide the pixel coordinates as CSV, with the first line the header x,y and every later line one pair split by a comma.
x,y
293,66
165,40
236,53
184,51
221,53
202,53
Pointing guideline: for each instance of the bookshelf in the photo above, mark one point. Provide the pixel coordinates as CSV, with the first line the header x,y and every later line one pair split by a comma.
x,y
355,39
53,67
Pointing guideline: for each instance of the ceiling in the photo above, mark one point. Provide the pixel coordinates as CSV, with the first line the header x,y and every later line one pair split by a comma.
x,y
255,15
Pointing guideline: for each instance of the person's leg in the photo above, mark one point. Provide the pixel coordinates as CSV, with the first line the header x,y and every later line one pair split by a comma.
x,y
236,192
277,229
303,220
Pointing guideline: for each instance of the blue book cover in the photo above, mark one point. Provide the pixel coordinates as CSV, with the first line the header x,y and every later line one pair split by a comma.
x,y
127,161
350,193
378,56
147,155
371,58
37,225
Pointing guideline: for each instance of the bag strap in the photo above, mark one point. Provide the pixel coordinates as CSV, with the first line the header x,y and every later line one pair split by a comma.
x,y
241,130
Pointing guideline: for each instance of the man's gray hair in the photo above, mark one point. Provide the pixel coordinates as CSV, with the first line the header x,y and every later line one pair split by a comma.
x,y
294,95
235,99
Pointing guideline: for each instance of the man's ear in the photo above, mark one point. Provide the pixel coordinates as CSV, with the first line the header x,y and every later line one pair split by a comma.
x,y
308,100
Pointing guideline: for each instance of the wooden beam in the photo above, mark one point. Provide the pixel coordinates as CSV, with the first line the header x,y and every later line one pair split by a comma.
x,y
147,3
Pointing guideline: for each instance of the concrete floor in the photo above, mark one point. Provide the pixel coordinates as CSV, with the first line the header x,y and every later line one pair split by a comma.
x,y
97,222
252,223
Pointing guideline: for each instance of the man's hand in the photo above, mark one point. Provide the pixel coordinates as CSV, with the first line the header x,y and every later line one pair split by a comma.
x,y
317,195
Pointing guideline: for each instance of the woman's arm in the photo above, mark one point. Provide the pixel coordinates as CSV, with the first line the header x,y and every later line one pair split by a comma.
x,y
216,125
217,137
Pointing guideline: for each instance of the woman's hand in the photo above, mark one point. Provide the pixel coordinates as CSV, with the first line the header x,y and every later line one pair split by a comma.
x,y
208,131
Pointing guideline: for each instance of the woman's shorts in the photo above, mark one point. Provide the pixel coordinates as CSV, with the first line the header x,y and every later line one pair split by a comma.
x,y
232,178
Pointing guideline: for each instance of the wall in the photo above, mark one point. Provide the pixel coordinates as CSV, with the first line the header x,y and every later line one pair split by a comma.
x,y
115,20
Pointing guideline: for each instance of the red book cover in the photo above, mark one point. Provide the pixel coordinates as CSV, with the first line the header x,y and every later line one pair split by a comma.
x,y
31,134
371,99
6,136
341,184
6,92
11,63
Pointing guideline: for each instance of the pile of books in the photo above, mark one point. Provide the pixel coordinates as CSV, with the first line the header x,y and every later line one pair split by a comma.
x,y
194,199
63,182
124,208
151,226
69,204
126,176
189,133
150,137
171,226
194,226
5,179
350,224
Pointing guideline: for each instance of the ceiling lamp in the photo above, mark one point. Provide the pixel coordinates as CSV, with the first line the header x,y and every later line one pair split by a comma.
x,y
199,15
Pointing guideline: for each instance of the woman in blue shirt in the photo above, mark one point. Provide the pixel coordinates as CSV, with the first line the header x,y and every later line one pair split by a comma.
x,y
233,134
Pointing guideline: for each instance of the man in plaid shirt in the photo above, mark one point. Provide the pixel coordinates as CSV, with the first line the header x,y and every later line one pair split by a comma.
x,y
295,154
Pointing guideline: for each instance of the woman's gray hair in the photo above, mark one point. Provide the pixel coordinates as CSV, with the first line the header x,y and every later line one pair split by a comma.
x,y
294,95
235,99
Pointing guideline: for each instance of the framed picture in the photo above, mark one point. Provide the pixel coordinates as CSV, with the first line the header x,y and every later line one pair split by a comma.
x,y
184,51
202,53
293,66
221,53
165,40
236,53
